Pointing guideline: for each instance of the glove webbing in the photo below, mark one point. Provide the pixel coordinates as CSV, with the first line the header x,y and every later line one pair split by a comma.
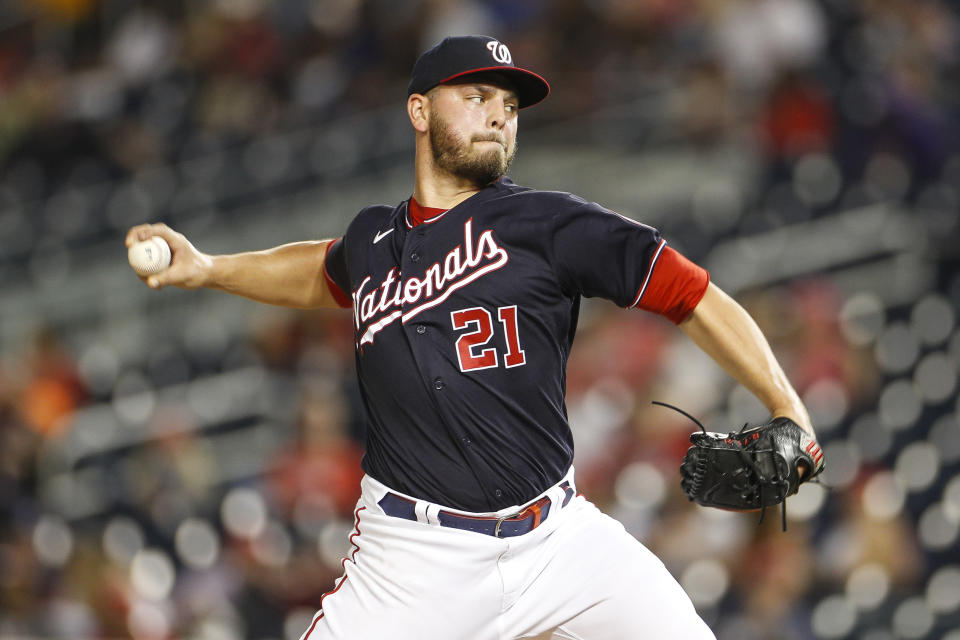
x,y
746,458
749,461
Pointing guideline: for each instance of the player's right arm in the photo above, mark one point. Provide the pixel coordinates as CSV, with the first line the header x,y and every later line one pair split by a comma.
x,y
290,275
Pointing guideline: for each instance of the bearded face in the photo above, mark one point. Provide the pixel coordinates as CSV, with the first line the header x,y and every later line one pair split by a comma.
x,y
480,164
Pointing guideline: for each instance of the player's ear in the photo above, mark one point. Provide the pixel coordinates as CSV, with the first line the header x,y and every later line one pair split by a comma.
x,y
417,108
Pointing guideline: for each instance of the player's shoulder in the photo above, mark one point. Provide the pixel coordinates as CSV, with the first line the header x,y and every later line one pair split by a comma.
x,y
372,218
546,201
377,213
553,211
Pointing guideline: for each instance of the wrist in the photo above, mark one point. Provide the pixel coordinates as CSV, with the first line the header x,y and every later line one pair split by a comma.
x,y
208,270
798,414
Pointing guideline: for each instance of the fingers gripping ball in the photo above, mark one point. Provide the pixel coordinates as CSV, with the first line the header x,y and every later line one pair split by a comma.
x,y
149,256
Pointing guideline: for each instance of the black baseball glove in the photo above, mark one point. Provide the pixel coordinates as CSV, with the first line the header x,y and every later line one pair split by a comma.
x,y
750,469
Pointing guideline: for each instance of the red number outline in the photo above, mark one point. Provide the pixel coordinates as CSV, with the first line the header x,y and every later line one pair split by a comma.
x,y
515,355
483,321
482,332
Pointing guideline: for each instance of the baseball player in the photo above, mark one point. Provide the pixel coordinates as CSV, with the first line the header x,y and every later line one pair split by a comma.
x,y
465,299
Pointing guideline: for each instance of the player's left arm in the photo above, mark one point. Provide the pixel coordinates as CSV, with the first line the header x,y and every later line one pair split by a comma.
x,y
727,333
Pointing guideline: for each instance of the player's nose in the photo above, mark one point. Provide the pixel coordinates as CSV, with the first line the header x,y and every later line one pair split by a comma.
x,y
497,113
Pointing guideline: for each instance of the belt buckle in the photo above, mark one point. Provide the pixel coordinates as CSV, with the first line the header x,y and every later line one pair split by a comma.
x,y
496,528
534,508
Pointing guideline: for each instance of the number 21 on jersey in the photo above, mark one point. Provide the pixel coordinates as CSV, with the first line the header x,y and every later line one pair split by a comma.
x,y
471,351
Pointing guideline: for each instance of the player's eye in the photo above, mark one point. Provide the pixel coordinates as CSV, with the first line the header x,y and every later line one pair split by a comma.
x,y
510,107
475,99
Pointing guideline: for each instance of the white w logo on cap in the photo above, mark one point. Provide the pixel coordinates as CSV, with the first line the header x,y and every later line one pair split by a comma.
x,y
500,52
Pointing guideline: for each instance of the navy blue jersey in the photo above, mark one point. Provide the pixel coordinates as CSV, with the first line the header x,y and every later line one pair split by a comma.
x,y
464,325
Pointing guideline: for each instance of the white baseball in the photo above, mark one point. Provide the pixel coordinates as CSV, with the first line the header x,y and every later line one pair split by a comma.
x,y
149,256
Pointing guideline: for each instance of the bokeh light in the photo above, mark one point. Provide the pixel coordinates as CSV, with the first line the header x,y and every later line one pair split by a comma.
x,y
897,348
945,436
148,621
826,400
52,541
932,319
808,500
152,574
917,466
209,399
844,466
833,617
99,364
935,378
873,441
912,619
123,538
817,179
943,590
717,205
333,544
274,546
883,496
868,586
213,629
133,398
936,529
899,405
197,543
706,582
311,513
641,486
244,513
68,617
951,498
862,318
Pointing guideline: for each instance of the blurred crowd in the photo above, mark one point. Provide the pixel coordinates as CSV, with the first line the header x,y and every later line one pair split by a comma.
x,y
206,489
117,113
95,89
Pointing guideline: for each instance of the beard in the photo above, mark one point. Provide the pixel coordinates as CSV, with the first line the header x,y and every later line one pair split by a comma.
x,y
458,158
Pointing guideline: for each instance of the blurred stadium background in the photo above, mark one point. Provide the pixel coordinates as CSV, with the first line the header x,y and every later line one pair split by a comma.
x,y
184,465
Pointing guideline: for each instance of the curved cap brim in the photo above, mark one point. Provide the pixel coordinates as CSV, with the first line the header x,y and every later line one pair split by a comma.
x,y
531,88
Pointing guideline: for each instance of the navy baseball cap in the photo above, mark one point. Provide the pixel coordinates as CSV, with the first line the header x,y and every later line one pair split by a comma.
x,y
459,56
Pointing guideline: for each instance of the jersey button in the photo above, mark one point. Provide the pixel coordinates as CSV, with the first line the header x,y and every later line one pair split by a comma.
x,y
498,493
415,256
437,384
421,329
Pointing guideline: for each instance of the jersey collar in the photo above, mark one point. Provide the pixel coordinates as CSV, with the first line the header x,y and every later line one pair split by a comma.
x,y
418,214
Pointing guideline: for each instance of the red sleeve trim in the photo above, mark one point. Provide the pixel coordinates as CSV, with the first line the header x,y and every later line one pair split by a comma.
x,y
343,300
653,263
674,285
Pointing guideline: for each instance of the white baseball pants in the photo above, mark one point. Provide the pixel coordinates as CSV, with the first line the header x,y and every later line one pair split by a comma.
x,y
578,576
